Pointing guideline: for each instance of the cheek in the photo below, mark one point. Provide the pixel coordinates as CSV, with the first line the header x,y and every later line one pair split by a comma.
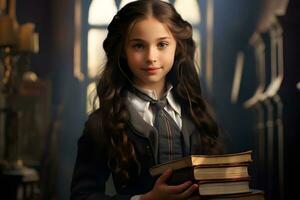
x,y
170,63
134,58
169,57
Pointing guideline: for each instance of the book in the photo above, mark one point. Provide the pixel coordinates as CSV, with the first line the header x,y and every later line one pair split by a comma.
x,y
252,195
226,171
228,186
209,172
202,160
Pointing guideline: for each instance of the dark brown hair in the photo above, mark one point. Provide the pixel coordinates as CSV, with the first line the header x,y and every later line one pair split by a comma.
x,y
116,76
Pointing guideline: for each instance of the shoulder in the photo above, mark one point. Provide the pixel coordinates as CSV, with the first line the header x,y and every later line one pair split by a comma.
x,y
93,129
91,145
94,121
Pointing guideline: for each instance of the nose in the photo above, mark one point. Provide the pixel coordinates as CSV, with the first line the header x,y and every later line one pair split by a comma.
x,y
151,55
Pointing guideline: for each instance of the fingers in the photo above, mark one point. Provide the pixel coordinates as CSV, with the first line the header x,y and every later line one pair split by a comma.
x,y
176,189
164,176
189,192
182,191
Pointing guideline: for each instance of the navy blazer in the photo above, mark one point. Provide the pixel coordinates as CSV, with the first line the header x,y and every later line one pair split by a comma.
x,y
91,171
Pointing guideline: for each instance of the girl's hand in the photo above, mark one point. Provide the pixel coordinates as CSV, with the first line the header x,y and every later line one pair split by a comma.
x,y
163,191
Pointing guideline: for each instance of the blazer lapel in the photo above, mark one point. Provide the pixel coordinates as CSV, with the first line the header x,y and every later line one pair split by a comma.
x,y
143,129
188,128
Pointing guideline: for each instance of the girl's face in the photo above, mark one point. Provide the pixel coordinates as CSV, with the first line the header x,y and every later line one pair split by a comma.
x,y
150,50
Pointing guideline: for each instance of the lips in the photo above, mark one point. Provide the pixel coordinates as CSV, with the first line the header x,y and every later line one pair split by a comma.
x,y
152,70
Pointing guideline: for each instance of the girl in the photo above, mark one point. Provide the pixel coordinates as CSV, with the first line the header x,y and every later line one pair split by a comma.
x,y
151,109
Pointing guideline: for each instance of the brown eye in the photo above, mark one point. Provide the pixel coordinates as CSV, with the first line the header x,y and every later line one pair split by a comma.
x,y
138,46
162,45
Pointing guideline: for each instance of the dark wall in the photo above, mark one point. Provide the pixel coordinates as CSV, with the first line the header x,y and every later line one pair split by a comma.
x,y
291,98
54,21
234,23
39,12
233,27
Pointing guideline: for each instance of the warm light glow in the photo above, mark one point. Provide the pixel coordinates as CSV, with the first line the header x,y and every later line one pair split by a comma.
x,y
197,39
90,96
189,10
101,12
96,54
124,2
77,42
209,44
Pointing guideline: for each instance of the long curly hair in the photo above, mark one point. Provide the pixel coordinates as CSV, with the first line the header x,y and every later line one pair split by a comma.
x,y
116,75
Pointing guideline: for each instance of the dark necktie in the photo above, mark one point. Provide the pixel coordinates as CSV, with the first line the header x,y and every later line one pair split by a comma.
x,y
169,134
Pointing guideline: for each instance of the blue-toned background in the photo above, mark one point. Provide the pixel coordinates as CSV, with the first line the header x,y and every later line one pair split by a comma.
x,y
234,23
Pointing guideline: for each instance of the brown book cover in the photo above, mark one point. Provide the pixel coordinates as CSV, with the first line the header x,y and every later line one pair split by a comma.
x,y
204,160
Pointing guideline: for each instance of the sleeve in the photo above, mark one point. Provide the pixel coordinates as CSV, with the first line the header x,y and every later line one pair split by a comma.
x,y
91,171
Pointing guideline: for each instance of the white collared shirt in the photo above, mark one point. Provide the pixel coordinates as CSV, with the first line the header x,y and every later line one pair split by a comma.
x,y
147,113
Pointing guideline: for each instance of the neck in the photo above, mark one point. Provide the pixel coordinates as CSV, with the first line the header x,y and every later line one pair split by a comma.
x,y
160,91
158,88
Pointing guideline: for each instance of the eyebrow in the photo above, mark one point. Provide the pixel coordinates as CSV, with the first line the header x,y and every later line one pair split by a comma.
x,y
139,39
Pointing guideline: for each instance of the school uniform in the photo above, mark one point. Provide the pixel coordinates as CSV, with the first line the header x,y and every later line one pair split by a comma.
x,y
91,171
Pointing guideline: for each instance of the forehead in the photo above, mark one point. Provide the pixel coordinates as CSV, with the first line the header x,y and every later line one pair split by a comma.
x,y
149,28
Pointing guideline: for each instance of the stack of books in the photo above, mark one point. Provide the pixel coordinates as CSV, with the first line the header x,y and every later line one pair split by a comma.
x,y
218,176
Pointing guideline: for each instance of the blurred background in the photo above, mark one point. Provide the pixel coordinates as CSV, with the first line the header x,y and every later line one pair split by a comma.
x,y
51,52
